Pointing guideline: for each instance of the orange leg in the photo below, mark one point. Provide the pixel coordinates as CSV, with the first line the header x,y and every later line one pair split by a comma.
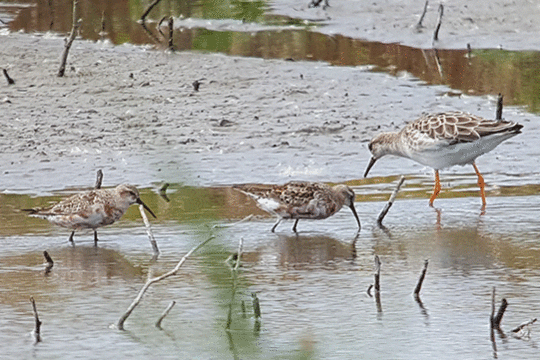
x,y
436,188
482,184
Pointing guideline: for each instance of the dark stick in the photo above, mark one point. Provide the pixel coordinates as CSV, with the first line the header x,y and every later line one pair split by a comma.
x,y
421,280
377,285
9,80
496,322
69,41
171,28
148,9
163,192
196,85
419,25
102,33
234,275
50,262
165,313
469,51
256,306
498,114
159,26
99,179
436,33
390,201
492,316
37,328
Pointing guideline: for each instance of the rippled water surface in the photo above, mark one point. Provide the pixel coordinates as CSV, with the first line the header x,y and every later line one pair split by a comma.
x,y
312,286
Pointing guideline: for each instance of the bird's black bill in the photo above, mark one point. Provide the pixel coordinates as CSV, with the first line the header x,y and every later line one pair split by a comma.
x,y
370,165
353,209
140,202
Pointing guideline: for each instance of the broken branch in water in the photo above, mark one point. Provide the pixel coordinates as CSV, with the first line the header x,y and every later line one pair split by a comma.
x,y
149,231
524,328
37,329
148,9
439,22
495,320
71,38
171,28
123,318
99,179
420,280
390,201
377,285
256,306
163,192
9,80
165,313
234,274
419,25
498,114
50,262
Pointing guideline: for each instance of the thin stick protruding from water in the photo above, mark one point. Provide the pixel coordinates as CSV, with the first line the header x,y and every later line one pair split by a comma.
x,y
420,280
419,25
9,79
377,285
439,22
37,328
99,179
50,262
498,318
234,274
137,300
256,306
498,114
74,29
524,325
165,313
390,201
149,231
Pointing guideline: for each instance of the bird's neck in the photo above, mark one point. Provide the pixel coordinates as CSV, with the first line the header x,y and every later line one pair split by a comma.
x,y
394,145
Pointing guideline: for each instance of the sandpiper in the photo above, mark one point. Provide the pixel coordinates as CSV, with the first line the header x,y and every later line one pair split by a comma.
x,y
301,200
443,140
91,209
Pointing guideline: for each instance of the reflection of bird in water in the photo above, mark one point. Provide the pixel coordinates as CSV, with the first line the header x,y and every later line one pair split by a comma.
x,y
443,140
91,209
301,200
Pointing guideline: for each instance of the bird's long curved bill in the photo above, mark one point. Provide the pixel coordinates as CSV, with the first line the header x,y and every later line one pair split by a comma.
x,y
353,209
370,165
140,202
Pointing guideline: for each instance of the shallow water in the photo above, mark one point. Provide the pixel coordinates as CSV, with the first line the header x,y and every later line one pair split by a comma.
x,y
312,286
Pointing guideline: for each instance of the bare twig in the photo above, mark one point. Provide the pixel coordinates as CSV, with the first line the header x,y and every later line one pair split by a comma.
x,y
71,38
419,25
171,32
37,329
492,316
377,285
99,179
390,201
498,114
122,319
165,313
524,325
439,22
234,274
148,9
256,306
149,231
421,280
9,80
50,262
219,226
163,192
196,84
496,323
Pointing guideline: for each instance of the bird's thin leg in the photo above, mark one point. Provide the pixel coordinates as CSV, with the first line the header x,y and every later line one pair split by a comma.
x,y
294,226
482,185
276,224
71,238
436,188
95,238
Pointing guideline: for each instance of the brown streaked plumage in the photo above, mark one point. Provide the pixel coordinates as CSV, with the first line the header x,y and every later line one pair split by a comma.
x,y
91,209
301,200
443,140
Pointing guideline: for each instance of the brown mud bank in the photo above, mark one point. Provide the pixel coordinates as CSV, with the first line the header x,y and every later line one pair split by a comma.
x,y
135,114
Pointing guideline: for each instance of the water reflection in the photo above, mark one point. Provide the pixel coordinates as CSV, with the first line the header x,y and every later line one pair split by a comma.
x,y
514,74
